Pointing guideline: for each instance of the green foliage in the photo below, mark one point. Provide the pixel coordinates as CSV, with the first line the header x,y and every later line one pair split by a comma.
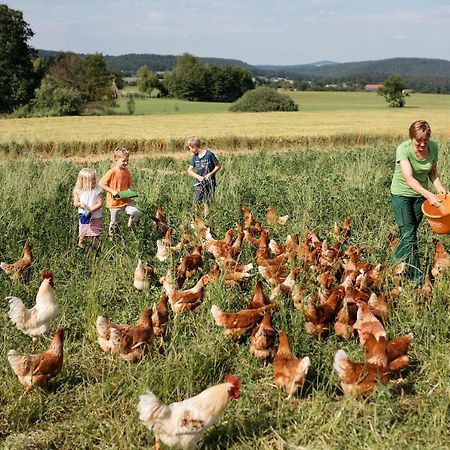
x,y
96,78
392,91
17,74
230,83
53,100
264,99
147,80
88,75
193,80
189,80
131,106
118,78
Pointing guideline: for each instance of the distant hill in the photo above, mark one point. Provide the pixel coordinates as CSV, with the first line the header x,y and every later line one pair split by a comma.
x,y
409,67
131,62
421,74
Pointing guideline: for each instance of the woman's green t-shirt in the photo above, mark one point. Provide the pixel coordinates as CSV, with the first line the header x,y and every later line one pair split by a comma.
x,y
421,169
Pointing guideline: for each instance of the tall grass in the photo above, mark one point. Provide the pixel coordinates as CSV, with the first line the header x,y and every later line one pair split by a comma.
x,y
93,401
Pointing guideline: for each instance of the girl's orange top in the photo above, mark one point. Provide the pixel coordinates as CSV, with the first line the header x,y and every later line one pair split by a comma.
x,y
118,180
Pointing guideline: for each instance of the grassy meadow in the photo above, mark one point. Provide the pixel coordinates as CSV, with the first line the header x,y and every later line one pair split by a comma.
x,y
92,403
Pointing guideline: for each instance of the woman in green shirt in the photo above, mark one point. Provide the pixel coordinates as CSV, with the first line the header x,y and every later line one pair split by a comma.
x,y
415,164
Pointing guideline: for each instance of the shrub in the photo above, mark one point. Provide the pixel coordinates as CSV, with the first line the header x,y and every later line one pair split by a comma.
x,y
263,99
53,100
131,105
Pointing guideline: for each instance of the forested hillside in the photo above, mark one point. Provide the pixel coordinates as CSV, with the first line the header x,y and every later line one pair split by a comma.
x,y
421,74
131,62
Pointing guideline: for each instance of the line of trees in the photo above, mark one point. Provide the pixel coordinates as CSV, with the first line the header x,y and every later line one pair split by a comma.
x,y
193,80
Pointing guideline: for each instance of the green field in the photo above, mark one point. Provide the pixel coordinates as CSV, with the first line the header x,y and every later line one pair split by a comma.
x,y
92,403
307,101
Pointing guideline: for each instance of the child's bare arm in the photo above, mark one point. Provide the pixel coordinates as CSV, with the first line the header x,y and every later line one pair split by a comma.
x,y
98,204
210,174
193,174
76,201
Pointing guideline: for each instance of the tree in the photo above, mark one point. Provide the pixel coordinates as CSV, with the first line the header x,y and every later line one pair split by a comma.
x,y
229,83
96,80
67,70
392,91
17,77
190,79
147,80
87,75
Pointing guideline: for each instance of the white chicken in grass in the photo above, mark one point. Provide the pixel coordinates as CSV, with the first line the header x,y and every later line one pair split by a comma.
x,y
35,321
142,275
182,424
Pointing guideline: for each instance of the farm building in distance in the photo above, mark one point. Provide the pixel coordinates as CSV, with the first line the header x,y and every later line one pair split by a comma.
x,y
373,87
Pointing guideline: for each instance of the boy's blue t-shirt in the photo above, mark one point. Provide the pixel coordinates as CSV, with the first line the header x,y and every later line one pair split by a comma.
x,y
205,165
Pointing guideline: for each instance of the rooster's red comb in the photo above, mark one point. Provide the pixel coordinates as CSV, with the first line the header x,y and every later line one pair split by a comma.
x,y
234,380
48,276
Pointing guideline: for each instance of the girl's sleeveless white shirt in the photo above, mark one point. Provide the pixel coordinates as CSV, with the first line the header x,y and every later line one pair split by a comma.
x,y
89,198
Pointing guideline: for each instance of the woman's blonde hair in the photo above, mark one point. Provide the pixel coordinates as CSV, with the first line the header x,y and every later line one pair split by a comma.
x,y
420,129
121,152
86,180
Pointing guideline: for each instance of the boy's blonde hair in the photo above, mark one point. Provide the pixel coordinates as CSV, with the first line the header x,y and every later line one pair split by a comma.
x,y
86,180
194,141
121,152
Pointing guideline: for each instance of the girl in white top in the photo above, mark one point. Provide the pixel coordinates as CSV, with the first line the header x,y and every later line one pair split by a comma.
x,y
87,197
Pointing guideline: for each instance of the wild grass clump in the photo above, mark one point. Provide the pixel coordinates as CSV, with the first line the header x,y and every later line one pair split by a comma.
x,y
92,403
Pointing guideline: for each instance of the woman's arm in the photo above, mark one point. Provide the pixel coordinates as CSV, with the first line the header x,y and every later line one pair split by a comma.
x,y
407,173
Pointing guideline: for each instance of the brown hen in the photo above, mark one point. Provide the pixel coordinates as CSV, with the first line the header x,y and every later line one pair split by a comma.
x,y
289,372
39,369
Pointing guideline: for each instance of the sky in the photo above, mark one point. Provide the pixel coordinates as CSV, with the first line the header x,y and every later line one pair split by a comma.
x,y
278,32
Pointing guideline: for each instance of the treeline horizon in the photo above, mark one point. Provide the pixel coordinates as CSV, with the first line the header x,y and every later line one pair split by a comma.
x,y
421,74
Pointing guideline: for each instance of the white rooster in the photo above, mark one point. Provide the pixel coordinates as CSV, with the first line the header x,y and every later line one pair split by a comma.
x,y
182,424
35,321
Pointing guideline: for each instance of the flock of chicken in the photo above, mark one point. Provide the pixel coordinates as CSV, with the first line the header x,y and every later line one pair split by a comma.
x,y
347,299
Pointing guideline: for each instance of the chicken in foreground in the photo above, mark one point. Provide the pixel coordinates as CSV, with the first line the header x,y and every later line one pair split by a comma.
x,y
17,269
358,378
182,424
39,369
35,321
289,372
131,343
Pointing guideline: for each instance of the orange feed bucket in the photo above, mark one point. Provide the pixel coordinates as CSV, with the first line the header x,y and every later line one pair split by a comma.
x,y
438,218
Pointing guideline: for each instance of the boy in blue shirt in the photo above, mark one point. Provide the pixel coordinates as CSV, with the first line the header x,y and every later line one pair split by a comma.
x,y
203,168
